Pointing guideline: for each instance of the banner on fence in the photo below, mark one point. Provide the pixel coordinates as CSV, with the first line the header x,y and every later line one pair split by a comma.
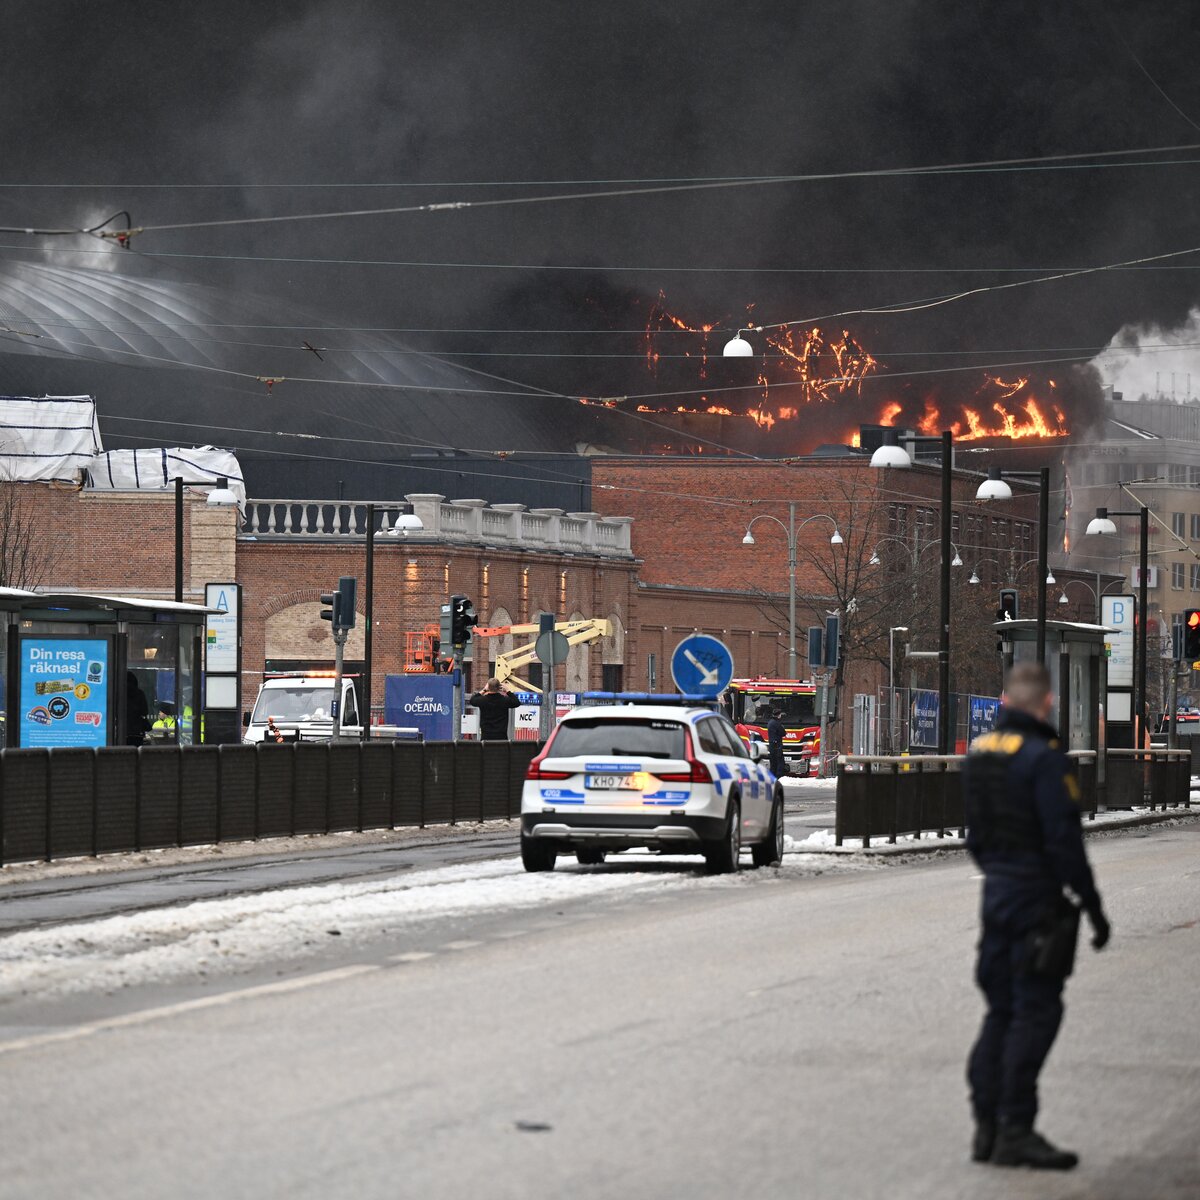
x,y
527,718
923,720
64,691
982,712
425,702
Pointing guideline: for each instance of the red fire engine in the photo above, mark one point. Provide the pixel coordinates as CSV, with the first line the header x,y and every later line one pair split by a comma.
x,y
750,702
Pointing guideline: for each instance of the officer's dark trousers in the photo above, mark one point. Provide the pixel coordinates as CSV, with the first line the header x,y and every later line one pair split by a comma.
x,y
778,765
1024,1012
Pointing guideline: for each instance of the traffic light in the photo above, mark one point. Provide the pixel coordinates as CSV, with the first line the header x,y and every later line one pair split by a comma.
x,y
347,590
462,620
1008,605
816,647
332,614
833,641
1191,635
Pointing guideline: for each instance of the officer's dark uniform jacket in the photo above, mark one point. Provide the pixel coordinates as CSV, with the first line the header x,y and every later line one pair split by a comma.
x,y
1022,803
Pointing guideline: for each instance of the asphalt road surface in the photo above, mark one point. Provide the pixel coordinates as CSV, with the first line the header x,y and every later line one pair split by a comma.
x,y
635,1030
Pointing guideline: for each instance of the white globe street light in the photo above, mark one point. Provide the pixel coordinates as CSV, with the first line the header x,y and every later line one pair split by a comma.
x,y
406,523
221,495
890,454
1102,524
993,487
738,347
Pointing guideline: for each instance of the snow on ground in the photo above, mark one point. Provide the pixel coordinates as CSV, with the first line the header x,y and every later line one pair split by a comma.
x,y
809,784
212,937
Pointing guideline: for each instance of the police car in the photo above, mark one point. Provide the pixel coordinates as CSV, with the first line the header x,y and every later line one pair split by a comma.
x,y
665,773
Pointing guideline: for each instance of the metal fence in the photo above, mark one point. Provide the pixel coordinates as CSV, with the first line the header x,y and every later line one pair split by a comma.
x,y
67,803
890,795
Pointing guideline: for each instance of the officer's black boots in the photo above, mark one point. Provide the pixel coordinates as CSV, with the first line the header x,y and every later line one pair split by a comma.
x,y
984,1141
1020,1146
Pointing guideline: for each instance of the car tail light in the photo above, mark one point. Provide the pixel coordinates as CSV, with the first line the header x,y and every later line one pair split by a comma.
x,y
535,771
697,772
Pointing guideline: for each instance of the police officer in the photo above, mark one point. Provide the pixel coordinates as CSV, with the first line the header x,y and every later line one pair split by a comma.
x,y
775,732
1022,804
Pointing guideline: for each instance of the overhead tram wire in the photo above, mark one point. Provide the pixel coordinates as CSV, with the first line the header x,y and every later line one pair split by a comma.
x,y
532,392
1031,164
620,192
544,477
582,268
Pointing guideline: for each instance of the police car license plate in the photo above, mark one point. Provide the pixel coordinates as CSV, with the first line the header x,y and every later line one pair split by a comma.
x,y
630,783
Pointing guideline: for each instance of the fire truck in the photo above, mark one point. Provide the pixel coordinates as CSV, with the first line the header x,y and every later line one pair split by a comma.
x,y
749,703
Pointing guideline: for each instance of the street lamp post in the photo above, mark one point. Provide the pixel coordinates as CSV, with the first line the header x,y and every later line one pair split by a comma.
x,y
994,488
1103,525
890,455
792,530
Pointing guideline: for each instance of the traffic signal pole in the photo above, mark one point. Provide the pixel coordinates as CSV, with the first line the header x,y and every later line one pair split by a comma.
x,y
339,662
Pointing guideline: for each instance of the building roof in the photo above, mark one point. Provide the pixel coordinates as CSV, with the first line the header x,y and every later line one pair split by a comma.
x,y
368,402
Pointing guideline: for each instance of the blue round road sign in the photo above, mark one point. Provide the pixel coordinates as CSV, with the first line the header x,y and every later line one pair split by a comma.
x,y
702,665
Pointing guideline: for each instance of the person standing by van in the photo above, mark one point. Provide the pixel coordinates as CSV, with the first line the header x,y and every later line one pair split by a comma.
x,y
494,705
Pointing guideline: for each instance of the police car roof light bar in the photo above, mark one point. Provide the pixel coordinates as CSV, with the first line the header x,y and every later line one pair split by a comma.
x,y
665,698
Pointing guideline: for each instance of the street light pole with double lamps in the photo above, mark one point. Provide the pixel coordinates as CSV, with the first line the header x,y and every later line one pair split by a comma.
x,y
994,488
791,529
1103,525
890,454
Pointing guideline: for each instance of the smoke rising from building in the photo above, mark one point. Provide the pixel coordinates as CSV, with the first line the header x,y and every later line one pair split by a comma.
x,y
324,93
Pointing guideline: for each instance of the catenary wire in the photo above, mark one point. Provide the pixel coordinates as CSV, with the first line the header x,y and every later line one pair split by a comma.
x,y
591,268
619,192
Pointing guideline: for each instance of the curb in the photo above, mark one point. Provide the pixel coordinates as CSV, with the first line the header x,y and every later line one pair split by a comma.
x,y
890,850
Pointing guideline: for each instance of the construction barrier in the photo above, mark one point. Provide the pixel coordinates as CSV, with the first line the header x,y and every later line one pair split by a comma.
x,y
887,796
69,803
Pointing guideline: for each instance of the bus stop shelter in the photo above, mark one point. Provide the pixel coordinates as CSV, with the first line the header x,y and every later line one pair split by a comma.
x,y
1078,665
98,670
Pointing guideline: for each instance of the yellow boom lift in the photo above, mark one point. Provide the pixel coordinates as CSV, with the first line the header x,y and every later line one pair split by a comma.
x,y
518,658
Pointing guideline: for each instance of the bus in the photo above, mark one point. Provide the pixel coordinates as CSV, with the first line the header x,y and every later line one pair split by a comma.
x,y
749,703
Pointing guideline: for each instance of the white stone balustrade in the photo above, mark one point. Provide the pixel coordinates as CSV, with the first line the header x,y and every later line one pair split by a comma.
x,y
462,522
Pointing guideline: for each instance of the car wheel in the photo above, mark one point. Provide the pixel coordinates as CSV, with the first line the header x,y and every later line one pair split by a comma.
x,y
724,856
590,858
537,855
769,852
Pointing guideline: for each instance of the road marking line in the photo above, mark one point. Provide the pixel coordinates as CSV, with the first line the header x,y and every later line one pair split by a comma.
x,y
512,933
465,945
411,956
186,1006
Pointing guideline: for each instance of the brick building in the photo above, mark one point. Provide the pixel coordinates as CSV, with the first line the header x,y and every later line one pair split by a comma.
x,y
665,558
690,516
514,564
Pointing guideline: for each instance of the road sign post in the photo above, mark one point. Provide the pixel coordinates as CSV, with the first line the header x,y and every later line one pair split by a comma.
x,y
702,665
551,649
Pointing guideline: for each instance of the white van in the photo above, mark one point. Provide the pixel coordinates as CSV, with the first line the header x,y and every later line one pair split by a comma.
x,y
300,708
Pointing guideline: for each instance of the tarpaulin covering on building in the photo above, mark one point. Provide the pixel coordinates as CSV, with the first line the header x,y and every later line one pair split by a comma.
x,y
47,438
157,468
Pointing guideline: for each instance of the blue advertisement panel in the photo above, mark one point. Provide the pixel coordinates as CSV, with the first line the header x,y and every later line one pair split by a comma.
x,y
424,702
923,721
982,715
64,691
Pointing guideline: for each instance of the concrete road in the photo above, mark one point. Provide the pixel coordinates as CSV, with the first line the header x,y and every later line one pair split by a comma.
x,y
633,1031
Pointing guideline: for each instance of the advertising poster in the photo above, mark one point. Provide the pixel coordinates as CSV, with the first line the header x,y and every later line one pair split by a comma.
x,y
982,715
423,702
923,722
527,720
64,692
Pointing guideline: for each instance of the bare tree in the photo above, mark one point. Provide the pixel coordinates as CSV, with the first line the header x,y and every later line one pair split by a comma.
x,y
29,555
